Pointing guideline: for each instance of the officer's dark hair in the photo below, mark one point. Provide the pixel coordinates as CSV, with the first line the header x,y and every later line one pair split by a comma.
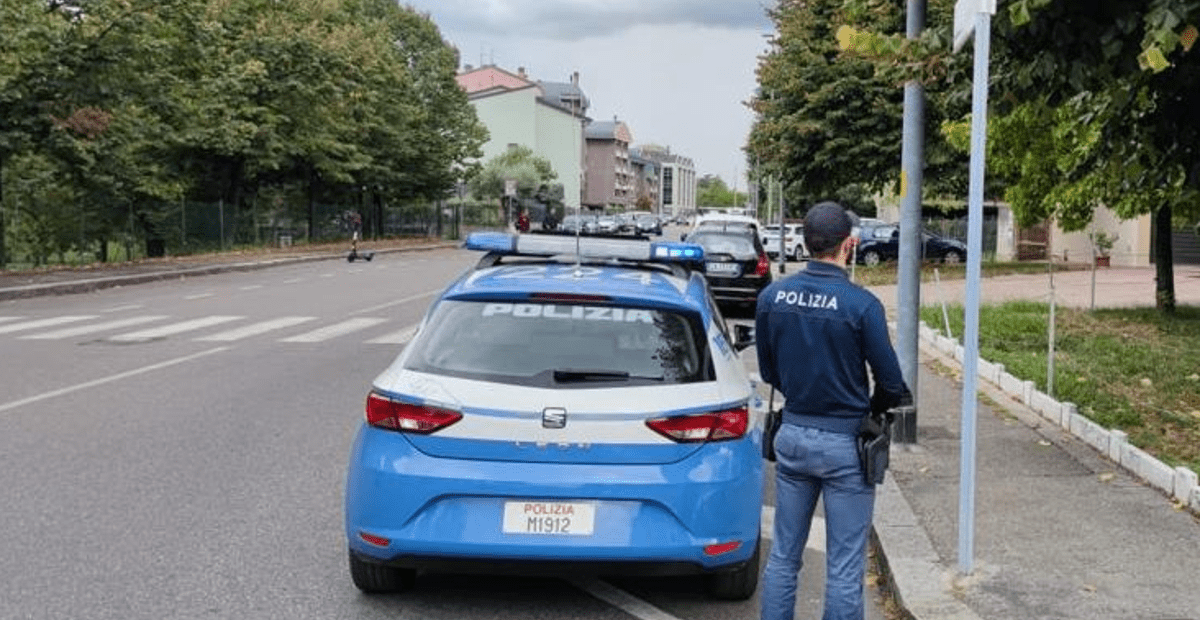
x,y
826,225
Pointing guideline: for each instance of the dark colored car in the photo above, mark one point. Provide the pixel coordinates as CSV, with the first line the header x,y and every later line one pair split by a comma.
x,y
880,243
736,264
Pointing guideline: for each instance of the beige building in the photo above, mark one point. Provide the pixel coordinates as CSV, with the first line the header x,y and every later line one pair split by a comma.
x,y
547,117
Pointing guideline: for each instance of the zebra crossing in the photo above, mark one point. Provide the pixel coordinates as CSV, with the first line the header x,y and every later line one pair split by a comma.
x,y
213,328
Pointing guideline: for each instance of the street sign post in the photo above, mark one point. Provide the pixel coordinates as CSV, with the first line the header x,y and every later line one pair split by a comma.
x,y
972,17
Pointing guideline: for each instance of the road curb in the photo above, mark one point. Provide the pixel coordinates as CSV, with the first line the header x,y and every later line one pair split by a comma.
x,y
89,285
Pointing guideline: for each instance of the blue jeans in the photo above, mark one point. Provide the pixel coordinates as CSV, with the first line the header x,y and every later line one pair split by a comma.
x,y
811,463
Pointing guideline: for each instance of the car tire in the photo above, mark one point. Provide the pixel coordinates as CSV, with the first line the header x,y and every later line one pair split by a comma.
x,y
797,254
374,578
952,257
871,258
738,584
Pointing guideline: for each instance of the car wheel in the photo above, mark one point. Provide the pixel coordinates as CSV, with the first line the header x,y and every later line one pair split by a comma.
x,y
380,579
872,258
740,584
797,254
952,258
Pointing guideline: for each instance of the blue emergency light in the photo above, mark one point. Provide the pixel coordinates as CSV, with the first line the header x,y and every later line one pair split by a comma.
x,y
584,247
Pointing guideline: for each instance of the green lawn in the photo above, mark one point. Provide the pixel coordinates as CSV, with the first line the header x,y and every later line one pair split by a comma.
x,y
1136,370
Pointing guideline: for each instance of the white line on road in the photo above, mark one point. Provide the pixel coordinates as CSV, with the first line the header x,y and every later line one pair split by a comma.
x,y
122,308
174,328
397,302
335,330
9,318
252,287
292,281
198,296
816,533
39,323
117,377
255,329
71,332
622,600
397,337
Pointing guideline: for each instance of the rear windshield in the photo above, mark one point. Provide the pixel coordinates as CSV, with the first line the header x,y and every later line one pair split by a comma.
x,y
561,345
740,246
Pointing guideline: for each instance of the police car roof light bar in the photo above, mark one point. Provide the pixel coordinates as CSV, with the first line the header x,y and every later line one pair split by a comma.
x,y
586,247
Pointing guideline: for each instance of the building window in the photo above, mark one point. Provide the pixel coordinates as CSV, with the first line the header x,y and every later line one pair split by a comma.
x,y
668,186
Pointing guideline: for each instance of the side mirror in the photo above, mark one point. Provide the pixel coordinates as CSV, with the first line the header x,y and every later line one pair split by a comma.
x,y
743,337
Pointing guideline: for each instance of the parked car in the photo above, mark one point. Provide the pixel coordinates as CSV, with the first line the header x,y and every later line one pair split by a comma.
x,y
881,243
567,404
581,223
736,264
647,224
793,241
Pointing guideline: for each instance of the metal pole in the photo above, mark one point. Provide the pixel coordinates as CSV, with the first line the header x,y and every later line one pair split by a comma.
x,y
970,399
908,283
782,240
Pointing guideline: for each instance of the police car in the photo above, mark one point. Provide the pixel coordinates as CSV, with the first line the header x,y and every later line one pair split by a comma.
x,y
569,403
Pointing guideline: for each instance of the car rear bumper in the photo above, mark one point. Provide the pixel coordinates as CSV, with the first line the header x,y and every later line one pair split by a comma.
x,y
424,511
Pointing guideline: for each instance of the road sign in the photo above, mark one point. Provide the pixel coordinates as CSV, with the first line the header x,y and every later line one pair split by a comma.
x,y
510,187
964,18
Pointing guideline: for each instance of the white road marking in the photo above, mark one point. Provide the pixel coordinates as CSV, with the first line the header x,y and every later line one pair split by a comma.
x,y
816,533
4,319
40,323
174,328
255,329
292,281
622,600
335,330
71,332
251,287
122,308
198,296
397,337
109,379
397,302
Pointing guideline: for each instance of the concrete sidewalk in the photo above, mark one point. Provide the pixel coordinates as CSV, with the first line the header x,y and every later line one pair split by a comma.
x,y
1060,531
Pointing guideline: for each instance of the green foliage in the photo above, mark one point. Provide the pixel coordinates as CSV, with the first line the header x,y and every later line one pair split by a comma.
x,y
140,105
830,112
533,175
1131,369
711,191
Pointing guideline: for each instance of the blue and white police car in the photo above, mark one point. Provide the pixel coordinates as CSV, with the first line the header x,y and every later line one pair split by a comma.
x,y
568,403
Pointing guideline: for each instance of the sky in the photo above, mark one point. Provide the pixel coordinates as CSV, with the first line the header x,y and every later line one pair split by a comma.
x,y
675,71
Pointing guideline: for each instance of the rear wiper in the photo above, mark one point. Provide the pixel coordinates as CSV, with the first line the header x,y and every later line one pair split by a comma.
x,y
566,375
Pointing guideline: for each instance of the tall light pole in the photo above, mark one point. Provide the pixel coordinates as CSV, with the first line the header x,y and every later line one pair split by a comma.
x,y
908,285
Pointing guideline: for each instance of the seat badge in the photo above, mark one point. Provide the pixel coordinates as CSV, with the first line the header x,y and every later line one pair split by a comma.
x,y
554,417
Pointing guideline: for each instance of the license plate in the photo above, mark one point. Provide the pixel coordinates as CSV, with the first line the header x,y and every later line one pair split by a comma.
x,y
549,518
723,268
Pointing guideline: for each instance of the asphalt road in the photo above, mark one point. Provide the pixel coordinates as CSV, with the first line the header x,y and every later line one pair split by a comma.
x,y
178,450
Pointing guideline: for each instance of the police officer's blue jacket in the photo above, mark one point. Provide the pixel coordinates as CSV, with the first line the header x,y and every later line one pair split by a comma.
x,y
817,333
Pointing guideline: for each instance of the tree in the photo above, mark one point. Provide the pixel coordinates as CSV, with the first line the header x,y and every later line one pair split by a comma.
x,y
1094,103
138,105
711,191
826,121
531,173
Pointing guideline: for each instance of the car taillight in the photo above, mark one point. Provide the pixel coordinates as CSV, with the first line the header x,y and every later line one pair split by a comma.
x,y
763,267
700,427
383,412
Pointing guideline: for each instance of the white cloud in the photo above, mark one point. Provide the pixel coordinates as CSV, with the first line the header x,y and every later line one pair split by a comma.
x,y
675,71
570,19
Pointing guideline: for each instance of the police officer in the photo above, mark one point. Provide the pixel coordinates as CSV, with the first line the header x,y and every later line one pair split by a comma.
x,y
817,334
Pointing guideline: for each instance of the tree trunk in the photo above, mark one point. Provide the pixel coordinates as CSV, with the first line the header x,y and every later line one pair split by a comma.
x,y
1164,265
